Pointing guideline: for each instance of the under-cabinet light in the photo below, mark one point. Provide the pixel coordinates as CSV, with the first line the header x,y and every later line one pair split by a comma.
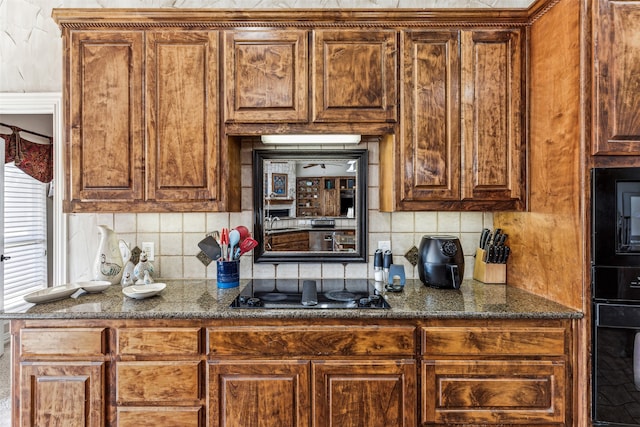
x,y
311,139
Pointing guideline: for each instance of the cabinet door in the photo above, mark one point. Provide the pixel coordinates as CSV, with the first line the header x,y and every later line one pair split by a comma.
x,y
359,393
266,76
259,393
617,77
61,394
182,95
354,76
104,95
430,143
492,116
493,392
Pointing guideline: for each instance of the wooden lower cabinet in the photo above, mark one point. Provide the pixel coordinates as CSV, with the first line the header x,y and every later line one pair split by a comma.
x,y
59,393
352,393
266,393
288,372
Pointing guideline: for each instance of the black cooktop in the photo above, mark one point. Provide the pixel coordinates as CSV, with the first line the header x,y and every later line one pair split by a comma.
x,y
310,294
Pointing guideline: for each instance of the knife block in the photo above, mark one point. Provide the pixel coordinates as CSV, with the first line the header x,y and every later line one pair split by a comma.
x,y
488,273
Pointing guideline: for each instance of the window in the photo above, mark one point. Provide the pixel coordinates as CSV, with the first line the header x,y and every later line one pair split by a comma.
x,y
25,236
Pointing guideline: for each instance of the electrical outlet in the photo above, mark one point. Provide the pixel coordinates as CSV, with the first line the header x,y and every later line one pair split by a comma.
x,y
149,248
384,245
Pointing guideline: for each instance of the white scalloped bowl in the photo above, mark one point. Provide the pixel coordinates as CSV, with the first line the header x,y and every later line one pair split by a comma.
x,y
94,286
144,291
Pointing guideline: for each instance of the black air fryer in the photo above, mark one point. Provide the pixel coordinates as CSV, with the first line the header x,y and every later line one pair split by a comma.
x,y
441,261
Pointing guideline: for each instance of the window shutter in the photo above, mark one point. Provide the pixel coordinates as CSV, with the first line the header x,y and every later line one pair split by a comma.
x,y
25,236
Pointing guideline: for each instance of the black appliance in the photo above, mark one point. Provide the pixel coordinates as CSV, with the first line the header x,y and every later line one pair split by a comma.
x,y
615,284
441,261
310,294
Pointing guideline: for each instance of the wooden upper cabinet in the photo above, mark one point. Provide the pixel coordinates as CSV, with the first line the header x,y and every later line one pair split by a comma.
x,y
182,94
266,76
354,75
430,141
104,72
492,117
617,77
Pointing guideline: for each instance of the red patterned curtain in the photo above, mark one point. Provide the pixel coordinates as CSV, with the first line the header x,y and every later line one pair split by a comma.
x,y
32,158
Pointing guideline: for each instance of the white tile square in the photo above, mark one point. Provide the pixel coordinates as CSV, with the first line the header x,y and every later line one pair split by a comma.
x,y
150,237
172,267
402,222
125,223
374,176
108,220
310,271
379,222
373,202
448,222
171,222
289,271
193,268
194,222
190,243
332,271
263,271
148,223
217,221
400,244
356,271
487,218
471,222
171,244
426,222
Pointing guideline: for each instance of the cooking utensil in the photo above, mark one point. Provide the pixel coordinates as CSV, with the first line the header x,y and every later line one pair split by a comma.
x,y
224,242
244,232
234,239
247,245
210,247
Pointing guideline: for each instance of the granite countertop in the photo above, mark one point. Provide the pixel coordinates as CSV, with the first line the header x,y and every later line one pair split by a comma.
x,y
201,299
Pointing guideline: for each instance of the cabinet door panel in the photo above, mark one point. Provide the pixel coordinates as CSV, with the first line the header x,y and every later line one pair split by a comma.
x,y
430,146
182,94
143,382
493,392
172,416
355,77
266,76
373,394
492,115
617,75
106,82
62,394
259,393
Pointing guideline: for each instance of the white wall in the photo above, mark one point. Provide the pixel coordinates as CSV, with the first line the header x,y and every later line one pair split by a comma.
x,y
31,48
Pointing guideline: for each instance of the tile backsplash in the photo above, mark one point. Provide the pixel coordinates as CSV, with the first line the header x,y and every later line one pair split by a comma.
x,y
176,235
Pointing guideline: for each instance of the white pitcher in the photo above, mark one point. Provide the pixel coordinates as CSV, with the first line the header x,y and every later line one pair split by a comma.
x,y
108,264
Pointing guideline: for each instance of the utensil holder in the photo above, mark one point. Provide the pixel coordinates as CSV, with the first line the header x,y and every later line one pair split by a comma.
x,y
228,274
488,273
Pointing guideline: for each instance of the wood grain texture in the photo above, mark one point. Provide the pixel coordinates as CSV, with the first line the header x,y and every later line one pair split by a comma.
x,y
547,243
60,394
492,116
166,382
373,394
494,341
70,342
265,393
354,76
266,76
105,126
172,416
430,131
493,392
182,92
311,341
161,342
617,77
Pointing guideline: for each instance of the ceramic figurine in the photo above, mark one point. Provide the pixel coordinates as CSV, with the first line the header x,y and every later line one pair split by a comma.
x,y
128,266
127,279
108,263
143,266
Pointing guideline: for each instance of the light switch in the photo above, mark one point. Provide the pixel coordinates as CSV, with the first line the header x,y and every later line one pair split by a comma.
x,y
149,248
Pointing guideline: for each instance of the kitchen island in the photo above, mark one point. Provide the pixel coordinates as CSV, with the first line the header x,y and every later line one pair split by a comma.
x,y
482,355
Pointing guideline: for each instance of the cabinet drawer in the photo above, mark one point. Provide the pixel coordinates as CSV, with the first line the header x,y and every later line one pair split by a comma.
x,y
493,392
81,342
493,341
277,341
158,341
160,416
176,382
